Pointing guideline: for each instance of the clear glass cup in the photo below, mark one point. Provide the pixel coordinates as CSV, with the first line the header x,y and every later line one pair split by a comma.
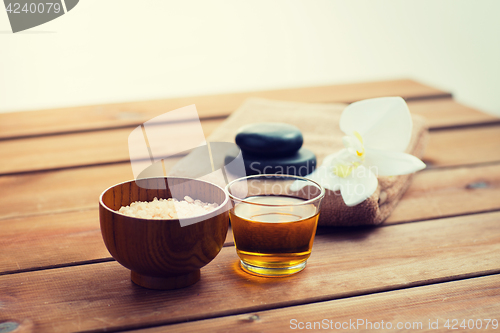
x,y
274,220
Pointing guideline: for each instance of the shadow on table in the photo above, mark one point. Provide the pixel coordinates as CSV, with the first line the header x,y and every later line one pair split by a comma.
x,y
350,234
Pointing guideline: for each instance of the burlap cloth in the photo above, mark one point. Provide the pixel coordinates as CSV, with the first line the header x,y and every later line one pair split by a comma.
x,y
319,124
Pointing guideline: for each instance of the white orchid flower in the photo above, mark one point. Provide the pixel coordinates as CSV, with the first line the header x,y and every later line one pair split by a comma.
x,y
378,132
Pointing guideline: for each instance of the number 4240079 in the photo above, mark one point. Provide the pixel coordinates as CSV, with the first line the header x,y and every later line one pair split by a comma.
x,y
33,8
452,324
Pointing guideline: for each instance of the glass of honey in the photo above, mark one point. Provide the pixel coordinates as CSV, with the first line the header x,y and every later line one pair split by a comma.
x,y
274,220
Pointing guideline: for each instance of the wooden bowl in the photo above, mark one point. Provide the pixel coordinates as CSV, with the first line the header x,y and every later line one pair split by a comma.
x,y
160,253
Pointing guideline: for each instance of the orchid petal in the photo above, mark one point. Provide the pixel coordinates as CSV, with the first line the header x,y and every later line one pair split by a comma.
x,y
358,187
392,163
325,177
346,155
384,123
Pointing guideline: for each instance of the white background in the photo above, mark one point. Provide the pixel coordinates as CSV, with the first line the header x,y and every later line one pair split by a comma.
x,y
122,50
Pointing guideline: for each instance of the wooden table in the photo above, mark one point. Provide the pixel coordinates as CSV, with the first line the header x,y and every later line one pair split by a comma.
x,y
436,258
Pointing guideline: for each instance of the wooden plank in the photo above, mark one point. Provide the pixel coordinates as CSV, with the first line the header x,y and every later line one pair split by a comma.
x,y
449,192
446,147
347,263
463,146
70,150
50,240
444,113
422,309
57,229
59,191
54,240
474,187
131,114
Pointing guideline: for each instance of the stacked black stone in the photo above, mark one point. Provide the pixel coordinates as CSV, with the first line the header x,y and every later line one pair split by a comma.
x,y
274,148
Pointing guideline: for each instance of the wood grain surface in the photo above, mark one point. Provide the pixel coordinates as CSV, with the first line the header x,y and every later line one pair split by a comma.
x,y
344,264
436,257
464,146
71,150
445,148
419,309
447,113
51,240
131,114
67,231
449,192
79,189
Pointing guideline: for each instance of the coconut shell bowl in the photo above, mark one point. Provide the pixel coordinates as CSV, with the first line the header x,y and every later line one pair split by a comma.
x,y
161,253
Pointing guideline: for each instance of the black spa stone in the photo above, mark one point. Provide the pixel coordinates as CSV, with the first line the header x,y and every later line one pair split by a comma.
x,y
301,163
269,139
